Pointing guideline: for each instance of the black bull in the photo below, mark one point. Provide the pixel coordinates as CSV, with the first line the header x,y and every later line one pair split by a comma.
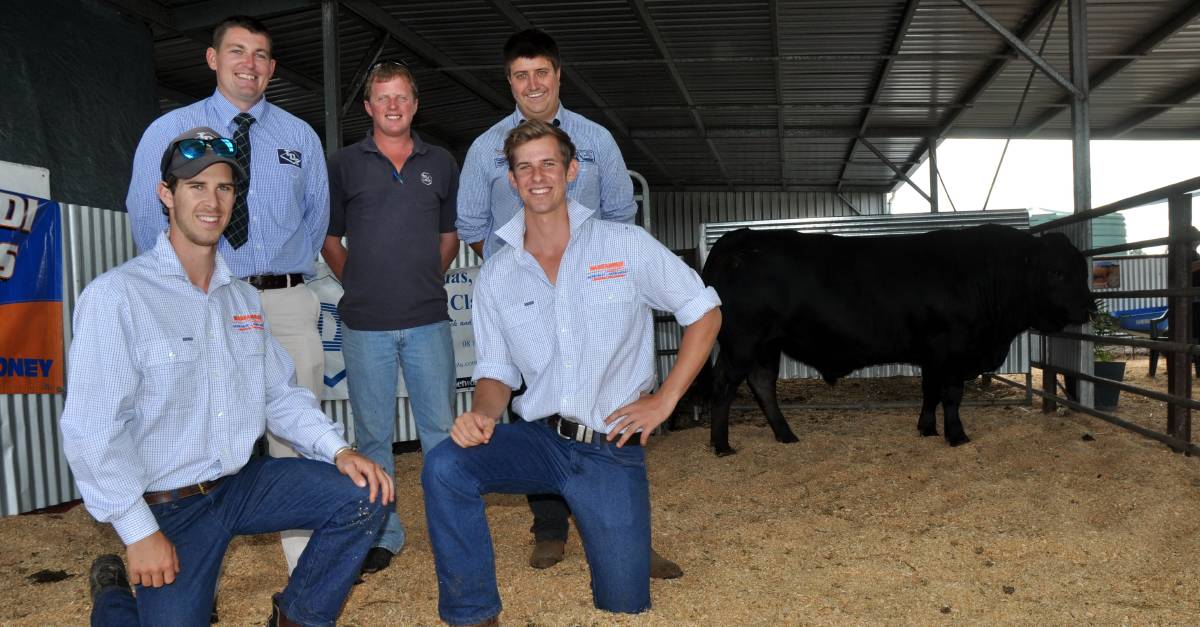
x,y
949,301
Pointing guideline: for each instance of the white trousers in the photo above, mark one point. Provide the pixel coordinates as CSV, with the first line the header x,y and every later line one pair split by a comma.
x,y
292,315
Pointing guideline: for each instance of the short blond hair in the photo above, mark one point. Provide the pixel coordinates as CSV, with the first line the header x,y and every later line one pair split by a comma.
x,y
530,130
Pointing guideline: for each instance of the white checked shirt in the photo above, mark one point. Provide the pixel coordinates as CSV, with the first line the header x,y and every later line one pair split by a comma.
x,y
584,345
170,387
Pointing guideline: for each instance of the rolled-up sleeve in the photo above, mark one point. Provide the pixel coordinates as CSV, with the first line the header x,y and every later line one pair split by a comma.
x,y
492,357
666,283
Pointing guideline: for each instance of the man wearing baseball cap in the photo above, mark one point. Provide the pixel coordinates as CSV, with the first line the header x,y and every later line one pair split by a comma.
x,y
173,377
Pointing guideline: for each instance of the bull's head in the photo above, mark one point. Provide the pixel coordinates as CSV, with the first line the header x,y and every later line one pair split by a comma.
x,y
1061,280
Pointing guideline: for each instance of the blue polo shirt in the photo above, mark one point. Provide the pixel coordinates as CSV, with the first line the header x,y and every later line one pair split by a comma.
x,y
393,221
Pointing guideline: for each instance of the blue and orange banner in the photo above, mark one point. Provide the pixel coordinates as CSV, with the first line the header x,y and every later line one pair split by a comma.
x,y
31,318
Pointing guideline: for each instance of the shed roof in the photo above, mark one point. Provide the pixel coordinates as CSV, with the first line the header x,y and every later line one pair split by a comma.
x,y
751,94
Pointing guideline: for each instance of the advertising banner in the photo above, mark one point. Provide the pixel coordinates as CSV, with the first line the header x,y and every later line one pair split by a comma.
x,y
459,283
31,318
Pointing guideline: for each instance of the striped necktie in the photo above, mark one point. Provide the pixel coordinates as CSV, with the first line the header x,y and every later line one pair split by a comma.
x,y
239,223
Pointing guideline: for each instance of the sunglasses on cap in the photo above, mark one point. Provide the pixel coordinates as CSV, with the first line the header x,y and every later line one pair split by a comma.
x,y
195,148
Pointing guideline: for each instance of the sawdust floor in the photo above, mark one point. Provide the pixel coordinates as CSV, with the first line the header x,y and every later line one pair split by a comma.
x,y
1041,519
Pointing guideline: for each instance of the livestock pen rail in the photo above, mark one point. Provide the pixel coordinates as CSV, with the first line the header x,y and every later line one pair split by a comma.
x,y
1062,351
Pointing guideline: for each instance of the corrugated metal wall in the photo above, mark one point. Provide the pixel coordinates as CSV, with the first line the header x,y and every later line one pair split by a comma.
x,y
676,215
1147,272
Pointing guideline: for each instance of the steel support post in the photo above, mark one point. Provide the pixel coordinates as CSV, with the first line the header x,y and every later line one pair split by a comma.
x,y
933,175
1179,274
1081,166
330,63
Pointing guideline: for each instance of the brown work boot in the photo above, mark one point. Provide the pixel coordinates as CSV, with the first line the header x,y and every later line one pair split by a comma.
x,y
278,618
547,553
663,568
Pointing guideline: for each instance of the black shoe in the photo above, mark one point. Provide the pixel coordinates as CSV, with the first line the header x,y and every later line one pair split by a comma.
x,y
378,558
214,617
278,618
108,571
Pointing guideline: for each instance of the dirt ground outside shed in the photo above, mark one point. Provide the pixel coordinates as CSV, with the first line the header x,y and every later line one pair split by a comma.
x,y
1040,519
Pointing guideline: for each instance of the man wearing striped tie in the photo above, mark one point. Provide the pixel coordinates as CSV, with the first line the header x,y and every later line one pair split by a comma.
x,y
281,209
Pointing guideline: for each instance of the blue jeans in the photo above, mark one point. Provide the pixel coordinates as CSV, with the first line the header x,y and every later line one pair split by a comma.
x,y
426,353
605,487
266,495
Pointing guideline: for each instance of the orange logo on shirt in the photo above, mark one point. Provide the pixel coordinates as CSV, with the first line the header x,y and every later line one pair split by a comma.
x,y
606,271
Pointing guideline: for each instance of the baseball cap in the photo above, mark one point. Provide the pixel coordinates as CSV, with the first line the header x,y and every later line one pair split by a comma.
x,y
194,150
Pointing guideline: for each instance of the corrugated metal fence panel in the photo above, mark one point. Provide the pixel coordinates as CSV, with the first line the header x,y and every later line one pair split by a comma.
x,y
36,474
898,224
677,214
1147,272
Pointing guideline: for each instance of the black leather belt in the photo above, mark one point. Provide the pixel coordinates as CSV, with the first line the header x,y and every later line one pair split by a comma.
x,y
569,430
274,281
166,496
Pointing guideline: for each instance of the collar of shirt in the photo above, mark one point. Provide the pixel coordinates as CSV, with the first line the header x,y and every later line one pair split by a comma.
x,y
368,144
517,118
513,231
168,264
222,109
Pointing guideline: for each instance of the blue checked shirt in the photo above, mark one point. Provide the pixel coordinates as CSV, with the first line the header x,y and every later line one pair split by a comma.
x,y
486,200
288,199
170,387
584,345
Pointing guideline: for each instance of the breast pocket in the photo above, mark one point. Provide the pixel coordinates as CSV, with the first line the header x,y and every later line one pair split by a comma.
x,y
527,337
248,352
169,370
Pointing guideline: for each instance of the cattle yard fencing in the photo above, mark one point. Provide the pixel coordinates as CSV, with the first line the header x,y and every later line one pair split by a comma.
x,y
1061,351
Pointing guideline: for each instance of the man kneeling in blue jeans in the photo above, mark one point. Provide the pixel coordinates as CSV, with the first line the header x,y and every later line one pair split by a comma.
x,y
174,376
566,305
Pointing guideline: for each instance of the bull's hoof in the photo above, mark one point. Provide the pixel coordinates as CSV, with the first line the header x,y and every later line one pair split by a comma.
x,y
959,441
927,432
787,438
724,451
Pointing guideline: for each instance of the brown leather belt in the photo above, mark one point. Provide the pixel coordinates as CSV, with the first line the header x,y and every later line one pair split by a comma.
x,y
569,430
166,496
274,281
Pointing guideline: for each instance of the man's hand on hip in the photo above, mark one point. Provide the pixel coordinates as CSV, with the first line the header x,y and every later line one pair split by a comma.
x,y
364,472
644,414
152,561
472,428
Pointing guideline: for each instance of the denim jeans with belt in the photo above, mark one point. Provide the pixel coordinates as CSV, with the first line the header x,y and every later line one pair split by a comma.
x,y
266,495
605,486
373,363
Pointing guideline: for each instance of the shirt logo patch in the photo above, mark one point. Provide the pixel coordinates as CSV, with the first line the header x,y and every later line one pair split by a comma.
x,y
290,157
248,322
606,271
587,155
427,178
501,162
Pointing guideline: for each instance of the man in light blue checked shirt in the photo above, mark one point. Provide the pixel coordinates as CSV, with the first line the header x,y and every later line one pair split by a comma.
x,y
285,202
564,306
174,375
486,201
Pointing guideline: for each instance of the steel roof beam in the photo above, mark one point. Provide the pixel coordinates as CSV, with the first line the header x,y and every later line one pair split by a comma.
x,y
648,25
1141,48
518,19
895,168
359,78
155,14
989,75
1179,96
906,18
1019,45
426,51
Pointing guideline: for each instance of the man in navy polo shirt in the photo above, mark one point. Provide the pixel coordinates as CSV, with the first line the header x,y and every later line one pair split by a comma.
x,y
393,197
